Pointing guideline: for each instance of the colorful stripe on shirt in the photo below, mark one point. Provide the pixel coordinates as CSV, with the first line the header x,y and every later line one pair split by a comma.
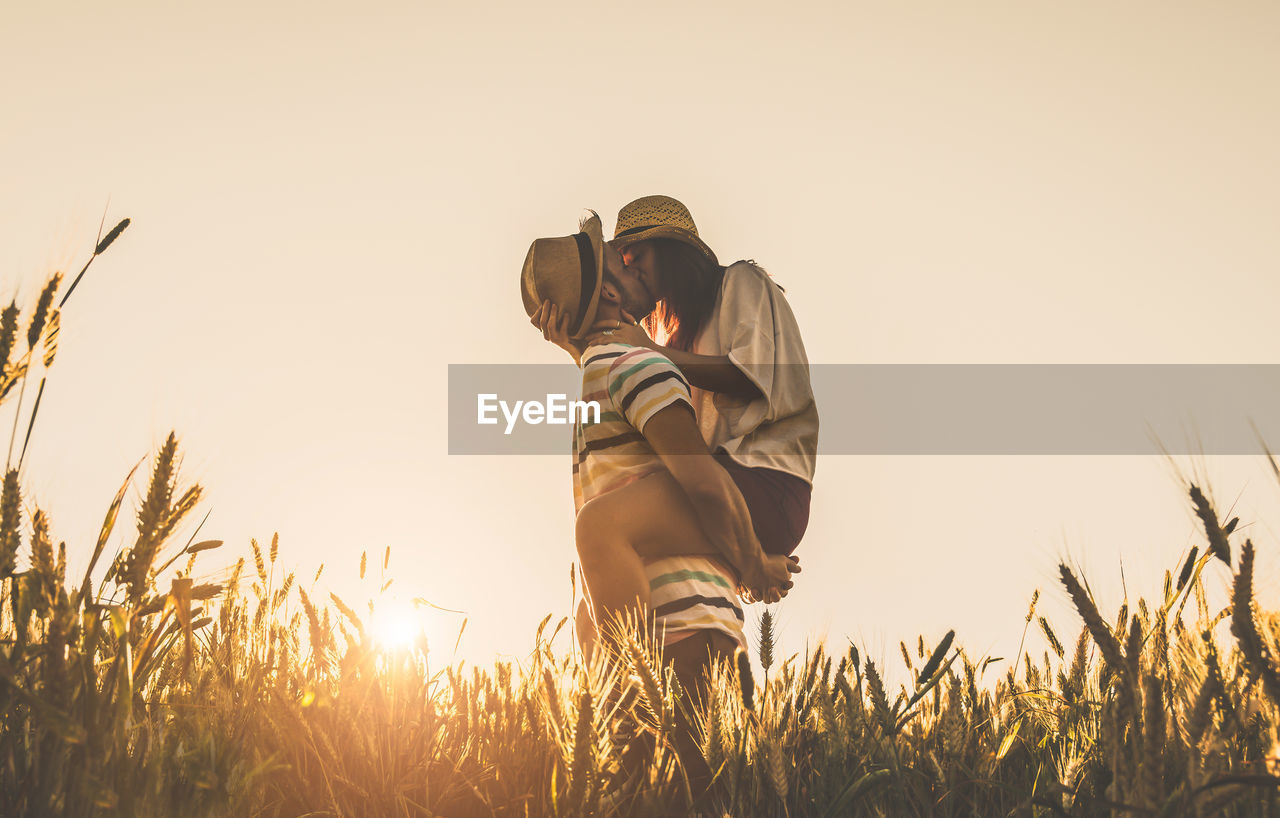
x,y
694,593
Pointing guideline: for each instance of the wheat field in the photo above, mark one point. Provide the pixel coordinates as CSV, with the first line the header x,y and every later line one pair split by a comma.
x,y
134,690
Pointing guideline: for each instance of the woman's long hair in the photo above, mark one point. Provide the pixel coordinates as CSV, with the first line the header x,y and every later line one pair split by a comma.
x,y
690,282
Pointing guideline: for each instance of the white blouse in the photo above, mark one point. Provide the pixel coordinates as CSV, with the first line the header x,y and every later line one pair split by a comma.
x,y
753,325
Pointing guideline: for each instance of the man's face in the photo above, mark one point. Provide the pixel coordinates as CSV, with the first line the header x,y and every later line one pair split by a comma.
x,y
640,263
636,298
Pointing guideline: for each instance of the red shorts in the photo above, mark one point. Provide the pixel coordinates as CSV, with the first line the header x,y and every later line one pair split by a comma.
x,y
778,501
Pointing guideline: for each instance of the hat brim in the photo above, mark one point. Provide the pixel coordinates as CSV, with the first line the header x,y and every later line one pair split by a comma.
x,y
595,232
663,231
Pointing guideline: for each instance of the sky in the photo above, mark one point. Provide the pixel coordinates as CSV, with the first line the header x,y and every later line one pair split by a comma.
x,y
330,204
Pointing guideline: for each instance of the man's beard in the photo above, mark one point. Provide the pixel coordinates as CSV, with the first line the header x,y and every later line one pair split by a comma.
x,y
639,311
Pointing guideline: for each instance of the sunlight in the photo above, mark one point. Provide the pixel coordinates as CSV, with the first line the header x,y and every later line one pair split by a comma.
x,y
396,624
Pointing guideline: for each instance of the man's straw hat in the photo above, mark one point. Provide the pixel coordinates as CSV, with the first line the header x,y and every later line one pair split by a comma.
x,y
566,270
653,217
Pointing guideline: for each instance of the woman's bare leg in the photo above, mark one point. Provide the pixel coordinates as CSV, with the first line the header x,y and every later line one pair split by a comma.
x,y
651,517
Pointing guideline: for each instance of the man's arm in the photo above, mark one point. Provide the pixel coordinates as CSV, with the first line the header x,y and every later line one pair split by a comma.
x,y
722,511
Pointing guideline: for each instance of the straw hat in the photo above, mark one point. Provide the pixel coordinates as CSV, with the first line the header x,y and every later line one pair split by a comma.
x,y
566,270
653,217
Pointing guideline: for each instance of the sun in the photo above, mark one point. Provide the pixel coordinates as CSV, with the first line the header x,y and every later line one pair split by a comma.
x,y
396,624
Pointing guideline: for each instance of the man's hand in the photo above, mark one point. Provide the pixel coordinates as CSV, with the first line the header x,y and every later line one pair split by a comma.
x,y
626,331
554,326
773,581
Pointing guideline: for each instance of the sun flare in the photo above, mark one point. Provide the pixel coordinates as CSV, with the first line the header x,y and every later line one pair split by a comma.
x,y
396,624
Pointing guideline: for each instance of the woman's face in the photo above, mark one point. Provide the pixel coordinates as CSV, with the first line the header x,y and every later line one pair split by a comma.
x,y
642,263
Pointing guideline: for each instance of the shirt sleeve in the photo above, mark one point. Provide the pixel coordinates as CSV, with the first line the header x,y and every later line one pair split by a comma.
x,y
643,383
761,338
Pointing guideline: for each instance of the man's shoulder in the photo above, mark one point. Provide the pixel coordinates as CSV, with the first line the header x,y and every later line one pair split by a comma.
x,y
623,357
599,359
643,371
597,355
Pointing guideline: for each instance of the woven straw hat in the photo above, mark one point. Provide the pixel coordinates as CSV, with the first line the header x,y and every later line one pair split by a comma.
x,y
653,217
567,270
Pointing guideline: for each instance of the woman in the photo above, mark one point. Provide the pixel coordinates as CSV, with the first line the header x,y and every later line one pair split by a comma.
x,y
733,336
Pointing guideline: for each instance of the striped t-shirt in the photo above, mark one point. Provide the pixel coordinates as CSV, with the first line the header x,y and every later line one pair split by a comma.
x,y
632,384
693,593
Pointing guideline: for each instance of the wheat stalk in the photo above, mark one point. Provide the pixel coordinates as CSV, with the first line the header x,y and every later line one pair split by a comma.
x,y
1257,654
1218,545
1102,635
10,522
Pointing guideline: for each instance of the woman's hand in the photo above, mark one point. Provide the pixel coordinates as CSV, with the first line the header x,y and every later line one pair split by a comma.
x,y
625,331
554,326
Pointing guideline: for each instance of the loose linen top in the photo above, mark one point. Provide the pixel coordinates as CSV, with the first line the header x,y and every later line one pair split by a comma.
x,y
753,325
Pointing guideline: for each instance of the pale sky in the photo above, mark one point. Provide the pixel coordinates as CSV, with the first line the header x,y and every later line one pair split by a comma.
x,y
331,204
